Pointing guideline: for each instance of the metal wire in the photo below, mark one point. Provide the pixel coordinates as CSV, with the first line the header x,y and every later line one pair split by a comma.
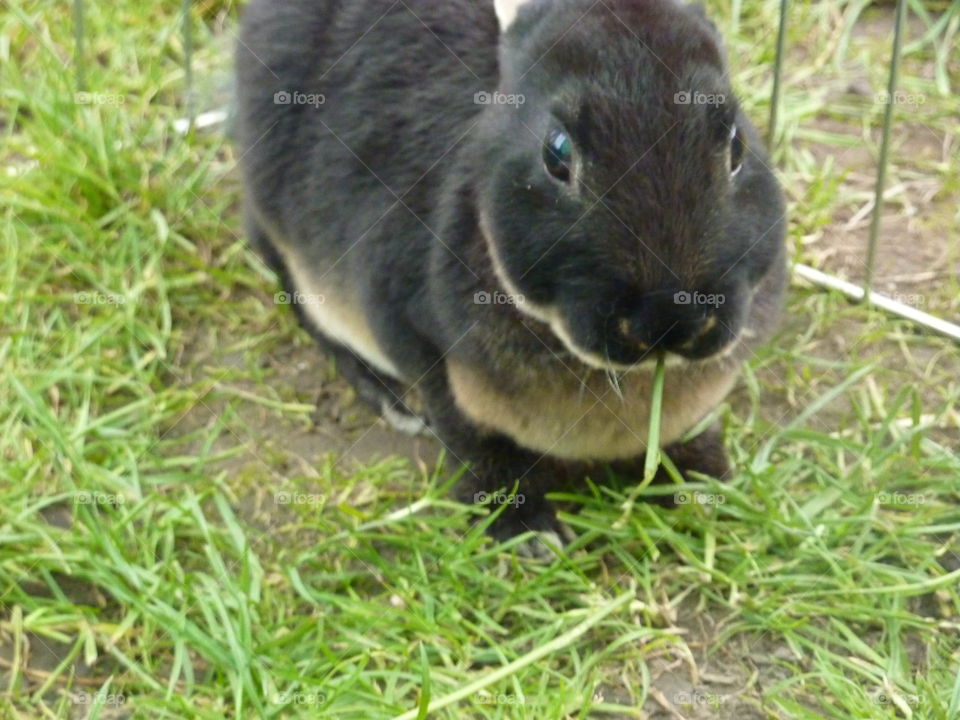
x,y
188,62
79,55
855,292
884,148
777,77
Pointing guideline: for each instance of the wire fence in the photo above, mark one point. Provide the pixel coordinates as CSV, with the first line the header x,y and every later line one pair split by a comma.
x,y
864,293
822,279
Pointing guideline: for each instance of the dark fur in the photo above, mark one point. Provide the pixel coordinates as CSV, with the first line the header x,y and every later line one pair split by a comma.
x,y
383,187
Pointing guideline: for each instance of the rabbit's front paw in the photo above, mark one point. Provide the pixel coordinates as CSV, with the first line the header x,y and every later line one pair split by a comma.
x,y
549,534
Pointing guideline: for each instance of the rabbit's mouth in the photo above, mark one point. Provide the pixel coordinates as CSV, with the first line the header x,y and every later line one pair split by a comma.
x,y
614,350
646,356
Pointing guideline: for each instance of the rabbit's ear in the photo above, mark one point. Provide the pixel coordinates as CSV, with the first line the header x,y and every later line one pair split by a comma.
x,y
507,11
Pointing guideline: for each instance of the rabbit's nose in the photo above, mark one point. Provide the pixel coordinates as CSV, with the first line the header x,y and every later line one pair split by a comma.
x,y
685,332
664,331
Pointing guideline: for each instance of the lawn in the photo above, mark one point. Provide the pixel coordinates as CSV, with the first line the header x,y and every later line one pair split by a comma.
x,y
198,519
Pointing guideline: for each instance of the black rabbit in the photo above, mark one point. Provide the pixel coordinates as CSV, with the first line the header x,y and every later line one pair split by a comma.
x,y
496,214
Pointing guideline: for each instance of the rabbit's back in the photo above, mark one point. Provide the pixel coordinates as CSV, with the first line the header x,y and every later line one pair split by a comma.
x,y
363,99
350,116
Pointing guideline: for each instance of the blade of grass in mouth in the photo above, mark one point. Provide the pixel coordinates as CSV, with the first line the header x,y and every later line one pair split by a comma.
x,y
652,461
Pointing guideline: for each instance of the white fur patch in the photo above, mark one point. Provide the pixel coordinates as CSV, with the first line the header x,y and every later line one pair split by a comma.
x,y
543,545
401,421
507,11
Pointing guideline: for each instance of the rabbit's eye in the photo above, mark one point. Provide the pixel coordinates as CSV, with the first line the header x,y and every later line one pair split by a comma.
x,y
558,154
737,148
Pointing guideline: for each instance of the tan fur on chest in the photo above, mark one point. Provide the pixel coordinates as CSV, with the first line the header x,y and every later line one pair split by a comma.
x,y
557,414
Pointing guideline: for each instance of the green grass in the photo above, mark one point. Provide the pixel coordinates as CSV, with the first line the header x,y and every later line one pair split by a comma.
x,y
166,551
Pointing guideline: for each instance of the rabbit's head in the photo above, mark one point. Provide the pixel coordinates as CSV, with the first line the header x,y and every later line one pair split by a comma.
x,y
624,197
